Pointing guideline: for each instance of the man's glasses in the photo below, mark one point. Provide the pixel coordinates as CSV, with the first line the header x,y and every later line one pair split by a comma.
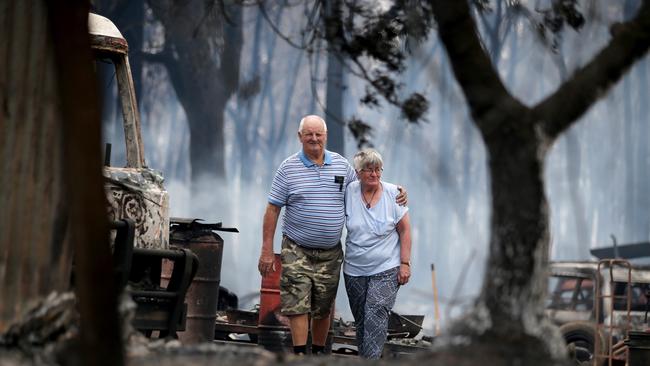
x,y
370,170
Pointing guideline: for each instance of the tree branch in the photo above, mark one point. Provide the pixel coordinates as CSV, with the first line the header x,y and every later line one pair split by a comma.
x,y
277,30
163,57
472,66
231,53
166,58
629,43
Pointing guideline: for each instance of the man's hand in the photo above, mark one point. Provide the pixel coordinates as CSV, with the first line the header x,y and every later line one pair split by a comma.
x,y
266,264
401,198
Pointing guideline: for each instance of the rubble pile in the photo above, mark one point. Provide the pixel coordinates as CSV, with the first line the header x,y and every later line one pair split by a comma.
x,y
45,330
168,353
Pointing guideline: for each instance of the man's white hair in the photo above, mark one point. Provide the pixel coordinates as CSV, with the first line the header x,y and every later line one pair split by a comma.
x,y
311,116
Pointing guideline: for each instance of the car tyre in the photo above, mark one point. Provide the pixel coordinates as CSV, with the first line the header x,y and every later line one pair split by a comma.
x,y
582,338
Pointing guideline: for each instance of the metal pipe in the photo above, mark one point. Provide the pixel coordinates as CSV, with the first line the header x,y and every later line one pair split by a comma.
x,y
107,154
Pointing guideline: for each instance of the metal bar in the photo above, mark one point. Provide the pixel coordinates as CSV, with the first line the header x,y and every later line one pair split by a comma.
x,y
155,294
406,319
612,349
123,252
238,328
107,154
162,253
188,267
134,149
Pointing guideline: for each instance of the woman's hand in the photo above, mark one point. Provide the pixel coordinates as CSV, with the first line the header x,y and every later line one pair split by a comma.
x,y
404,274
401,198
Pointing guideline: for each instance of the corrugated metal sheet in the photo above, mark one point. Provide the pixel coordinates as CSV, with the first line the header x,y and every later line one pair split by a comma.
x,y
34,257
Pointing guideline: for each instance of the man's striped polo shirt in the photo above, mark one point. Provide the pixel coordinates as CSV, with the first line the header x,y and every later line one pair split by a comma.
x,y
314,197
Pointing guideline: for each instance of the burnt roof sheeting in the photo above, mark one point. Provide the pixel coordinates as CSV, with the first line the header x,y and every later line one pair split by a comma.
x,y
627,251
196,224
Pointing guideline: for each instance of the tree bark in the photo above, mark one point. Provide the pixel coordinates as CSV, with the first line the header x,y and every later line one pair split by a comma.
x,y
334,104
514,285
335,76
35,258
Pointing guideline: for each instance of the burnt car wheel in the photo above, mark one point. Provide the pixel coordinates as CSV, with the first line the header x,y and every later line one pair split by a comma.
x,y
582,338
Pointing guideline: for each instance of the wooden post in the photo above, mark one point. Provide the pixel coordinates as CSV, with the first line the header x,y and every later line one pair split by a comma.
x,y
436,311
101,342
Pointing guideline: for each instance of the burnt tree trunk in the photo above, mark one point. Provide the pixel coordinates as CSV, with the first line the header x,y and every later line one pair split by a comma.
x,y
100,342
513,289
510,309
335,76
35,258
334,104
50,172
202,53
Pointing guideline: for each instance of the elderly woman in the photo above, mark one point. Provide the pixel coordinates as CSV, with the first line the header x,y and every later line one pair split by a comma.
x,y
378,251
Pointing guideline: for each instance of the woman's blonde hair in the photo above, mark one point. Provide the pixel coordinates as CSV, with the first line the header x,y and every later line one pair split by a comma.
x,y
366,158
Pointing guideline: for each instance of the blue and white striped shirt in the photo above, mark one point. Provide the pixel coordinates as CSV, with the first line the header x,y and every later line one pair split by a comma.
x,y
314,197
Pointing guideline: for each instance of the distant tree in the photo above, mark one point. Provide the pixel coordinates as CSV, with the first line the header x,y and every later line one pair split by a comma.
x,y
322,25
201,53
355,32
335,78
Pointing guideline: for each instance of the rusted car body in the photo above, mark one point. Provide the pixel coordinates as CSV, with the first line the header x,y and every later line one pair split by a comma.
x,y
590,304
133,191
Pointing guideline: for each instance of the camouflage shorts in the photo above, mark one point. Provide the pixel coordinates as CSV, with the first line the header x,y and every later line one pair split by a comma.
x,y
310,278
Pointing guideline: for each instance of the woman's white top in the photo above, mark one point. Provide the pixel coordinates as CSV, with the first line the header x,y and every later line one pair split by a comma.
x,y
372,245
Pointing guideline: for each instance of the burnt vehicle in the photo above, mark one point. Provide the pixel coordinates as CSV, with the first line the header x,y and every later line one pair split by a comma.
x,y
138,204
596,304
134,191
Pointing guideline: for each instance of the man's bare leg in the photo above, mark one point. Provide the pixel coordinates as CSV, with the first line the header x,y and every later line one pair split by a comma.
x,y
319,330
299,325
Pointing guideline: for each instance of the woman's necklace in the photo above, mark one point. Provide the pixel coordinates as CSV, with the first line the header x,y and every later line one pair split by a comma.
x,y
363,195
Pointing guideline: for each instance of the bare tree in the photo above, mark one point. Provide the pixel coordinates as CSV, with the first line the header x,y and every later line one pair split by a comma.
x,y
202,53
517,138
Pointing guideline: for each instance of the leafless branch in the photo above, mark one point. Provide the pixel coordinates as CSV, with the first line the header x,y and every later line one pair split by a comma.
x,y
278,31
472,67
630,41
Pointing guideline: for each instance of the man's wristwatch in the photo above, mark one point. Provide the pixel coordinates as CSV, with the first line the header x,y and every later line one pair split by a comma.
x,y
408,263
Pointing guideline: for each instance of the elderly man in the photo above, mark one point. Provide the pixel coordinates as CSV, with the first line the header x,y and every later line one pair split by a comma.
x,y
311,184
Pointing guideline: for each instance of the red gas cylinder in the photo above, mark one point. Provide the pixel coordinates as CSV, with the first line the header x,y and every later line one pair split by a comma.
x,y
270,298
274,334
